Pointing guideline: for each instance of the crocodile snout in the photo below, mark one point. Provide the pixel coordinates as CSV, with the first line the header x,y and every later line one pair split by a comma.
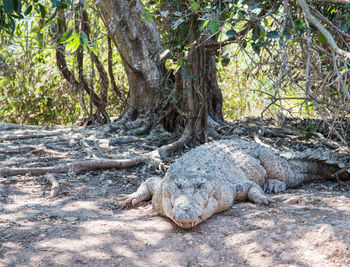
x,y
187,216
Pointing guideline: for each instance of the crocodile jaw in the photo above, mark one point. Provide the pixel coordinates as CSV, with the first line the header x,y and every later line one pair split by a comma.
x,y
188,215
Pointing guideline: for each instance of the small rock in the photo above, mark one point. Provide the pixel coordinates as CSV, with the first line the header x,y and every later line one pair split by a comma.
x,y
286,257
291,200
188,237
190,243
71,219
109,182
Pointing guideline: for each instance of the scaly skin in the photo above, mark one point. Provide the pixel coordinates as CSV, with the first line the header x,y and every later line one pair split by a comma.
x,y
211,177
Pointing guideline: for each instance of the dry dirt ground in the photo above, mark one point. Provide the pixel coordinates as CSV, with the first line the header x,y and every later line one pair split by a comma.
x,y
81,226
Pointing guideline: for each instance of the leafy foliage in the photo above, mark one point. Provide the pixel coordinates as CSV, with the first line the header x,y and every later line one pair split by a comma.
x,y
32,90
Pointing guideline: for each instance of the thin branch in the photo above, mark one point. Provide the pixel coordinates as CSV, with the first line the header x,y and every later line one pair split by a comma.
x,y
323,30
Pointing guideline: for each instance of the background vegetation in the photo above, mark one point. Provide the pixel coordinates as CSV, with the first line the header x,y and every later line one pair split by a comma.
x,y
263,74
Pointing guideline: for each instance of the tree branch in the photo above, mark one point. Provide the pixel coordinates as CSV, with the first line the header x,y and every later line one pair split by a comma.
x,y
323,30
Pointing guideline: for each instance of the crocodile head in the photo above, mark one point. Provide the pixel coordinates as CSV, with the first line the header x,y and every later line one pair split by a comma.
x,y
189,201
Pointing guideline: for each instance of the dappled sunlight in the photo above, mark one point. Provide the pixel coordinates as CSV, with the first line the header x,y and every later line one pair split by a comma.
x,y
76,205
82,226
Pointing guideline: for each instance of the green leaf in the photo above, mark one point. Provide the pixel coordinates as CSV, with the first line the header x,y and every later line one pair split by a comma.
x,y
256,47
39,37
241,13
42,11
28,10
321,38
330,68
53,28
75,43
52,16
176,23
256,33
272,34
225,61
18,6
169,64
146,16
93,48
230,33
84,38
12,26
17,16
307,136
204,24
67,36
195,6
213,25
36,29
8,6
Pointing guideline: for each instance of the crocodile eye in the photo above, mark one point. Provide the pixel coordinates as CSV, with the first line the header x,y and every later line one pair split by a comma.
x,y
198,185
179,186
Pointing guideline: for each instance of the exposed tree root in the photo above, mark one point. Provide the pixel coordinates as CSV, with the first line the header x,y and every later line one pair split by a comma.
x,y
165,150
78,167
124,140
28,136
126,126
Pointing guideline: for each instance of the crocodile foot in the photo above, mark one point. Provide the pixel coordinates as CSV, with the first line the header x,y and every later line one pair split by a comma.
x,y
274,186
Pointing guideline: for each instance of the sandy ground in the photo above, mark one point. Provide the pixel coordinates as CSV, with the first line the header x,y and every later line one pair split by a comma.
x,y
81,226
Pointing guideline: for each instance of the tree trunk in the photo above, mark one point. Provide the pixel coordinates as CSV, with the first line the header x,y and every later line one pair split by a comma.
x,y
139,45
214,96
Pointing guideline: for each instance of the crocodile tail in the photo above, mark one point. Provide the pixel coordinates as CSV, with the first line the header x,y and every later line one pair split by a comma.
x,y
320,155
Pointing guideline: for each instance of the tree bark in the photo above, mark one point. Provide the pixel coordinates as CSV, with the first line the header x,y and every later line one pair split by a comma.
x,y
194,95
214,96
139,45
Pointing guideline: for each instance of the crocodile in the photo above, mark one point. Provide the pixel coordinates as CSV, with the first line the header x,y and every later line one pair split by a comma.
x,y
211,177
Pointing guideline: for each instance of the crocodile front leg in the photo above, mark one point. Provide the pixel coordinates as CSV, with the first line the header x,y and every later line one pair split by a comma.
x,y
256,195
276,177
144,192
274,186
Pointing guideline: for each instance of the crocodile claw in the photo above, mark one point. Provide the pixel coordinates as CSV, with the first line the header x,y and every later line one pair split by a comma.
x,y
264,200
126,200
274,186
256,195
